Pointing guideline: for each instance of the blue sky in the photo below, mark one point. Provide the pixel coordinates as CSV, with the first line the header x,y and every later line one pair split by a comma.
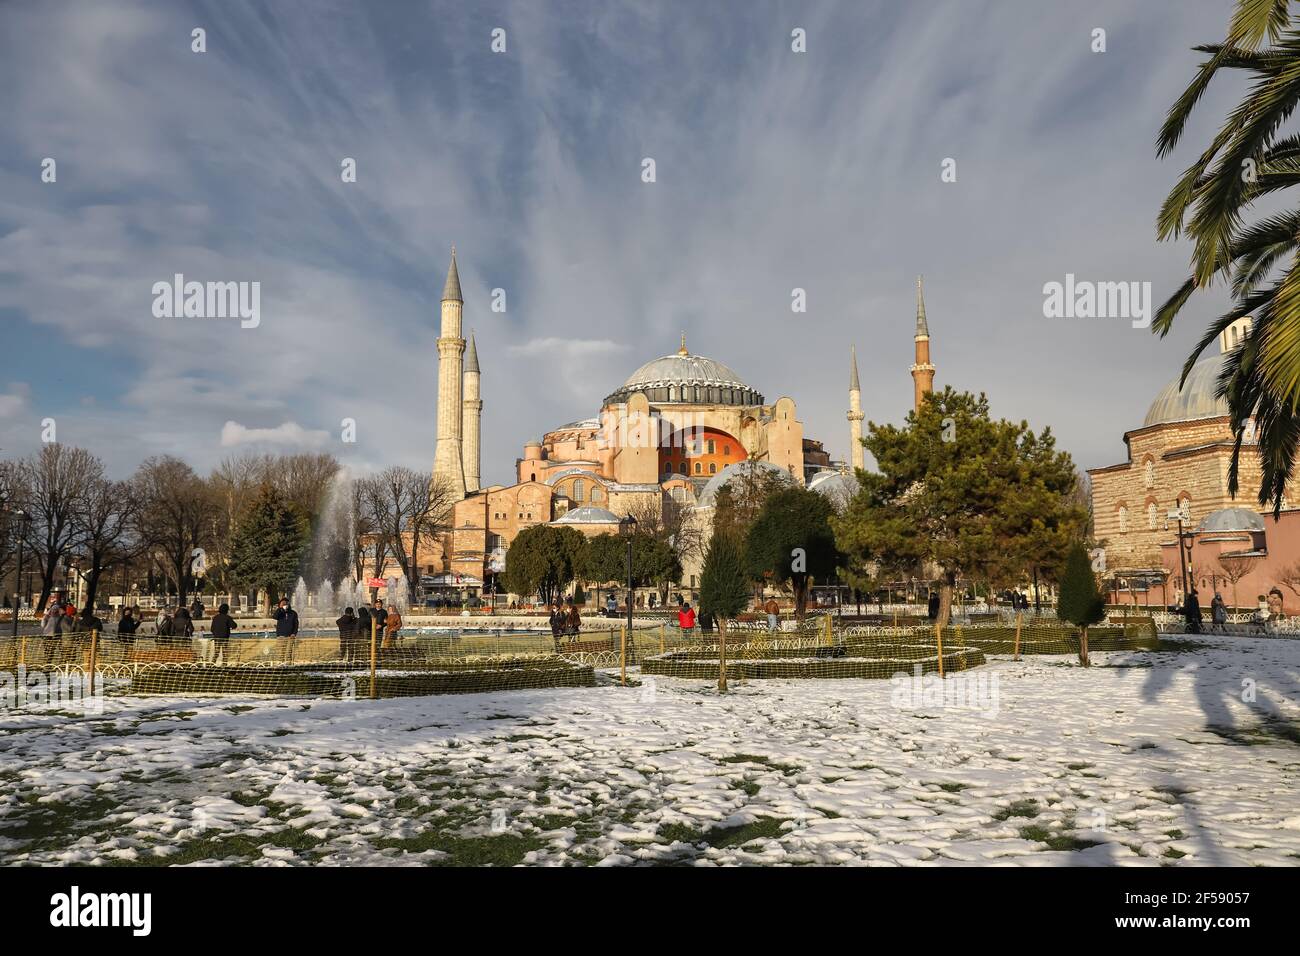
x,y
775,170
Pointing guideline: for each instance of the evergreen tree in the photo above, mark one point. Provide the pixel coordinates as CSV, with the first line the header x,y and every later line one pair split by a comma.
x,y
724,591
544,560
268,544
791,542
961,492
1080,602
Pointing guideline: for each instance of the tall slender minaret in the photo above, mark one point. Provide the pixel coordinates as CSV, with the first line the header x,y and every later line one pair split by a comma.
x,y
922,371
471,420
447,464
855,411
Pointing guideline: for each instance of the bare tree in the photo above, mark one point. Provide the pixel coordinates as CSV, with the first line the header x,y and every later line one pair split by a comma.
x,y
668,521
1234,567
54,482
406,508
107,530
303,480
176,511
10,501
233,484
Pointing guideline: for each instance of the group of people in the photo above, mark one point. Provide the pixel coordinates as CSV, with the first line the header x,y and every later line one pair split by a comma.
x,y
1269,610
566,621
355,629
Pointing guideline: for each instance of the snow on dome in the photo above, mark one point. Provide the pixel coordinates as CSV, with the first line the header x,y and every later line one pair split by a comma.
x,y
588,514
714,485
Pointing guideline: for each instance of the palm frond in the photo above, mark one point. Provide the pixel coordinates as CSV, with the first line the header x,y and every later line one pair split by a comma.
x,y
1253,20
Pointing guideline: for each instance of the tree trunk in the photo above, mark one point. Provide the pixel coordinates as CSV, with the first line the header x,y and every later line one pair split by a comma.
x,y
945,597
722,655
92,586
800,597
1083,647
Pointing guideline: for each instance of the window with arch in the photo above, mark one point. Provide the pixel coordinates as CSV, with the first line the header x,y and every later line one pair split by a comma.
x,y
713,468
595,493
698,468
712,447
1150,473
726,449
1185,509
579,489
1151,516
1123,519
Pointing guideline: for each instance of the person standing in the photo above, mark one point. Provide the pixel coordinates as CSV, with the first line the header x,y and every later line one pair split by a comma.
x,y
686,620
286,626
773,611
127,627
557,623
392,628
705,620
1192,613
222,625
182,626
572,621
196,609
364,623
349,631
932,607
379,616
1218,614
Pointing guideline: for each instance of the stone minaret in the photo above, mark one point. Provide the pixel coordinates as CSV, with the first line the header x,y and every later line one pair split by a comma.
x,y
447,464
472,420
922,370
855,412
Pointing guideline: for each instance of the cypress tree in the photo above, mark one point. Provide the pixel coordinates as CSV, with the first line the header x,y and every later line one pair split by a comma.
x,y
724,591
1080,602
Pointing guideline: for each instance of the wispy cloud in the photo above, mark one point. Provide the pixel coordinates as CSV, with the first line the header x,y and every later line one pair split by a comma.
x,y
775,170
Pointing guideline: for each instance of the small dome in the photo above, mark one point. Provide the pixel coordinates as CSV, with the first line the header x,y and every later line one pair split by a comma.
x,y
1196,399
836,487
714,485
588,514
1231,519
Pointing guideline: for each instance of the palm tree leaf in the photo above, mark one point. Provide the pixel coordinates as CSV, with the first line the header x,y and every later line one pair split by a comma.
x,y
1255,19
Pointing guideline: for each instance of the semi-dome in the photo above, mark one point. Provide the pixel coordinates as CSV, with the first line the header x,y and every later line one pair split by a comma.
x,y
1231,519
588,514
748,466
1196,399
683,378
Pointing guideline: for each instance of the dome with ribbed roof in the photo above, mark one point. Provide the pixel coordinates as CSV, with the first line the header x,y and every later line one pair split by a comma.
x,y
1231,519
1196,398
686,379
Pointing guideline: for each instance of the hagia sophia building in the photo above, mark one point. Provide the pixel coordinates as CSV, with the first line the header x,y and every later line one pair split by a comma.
x,y
678,428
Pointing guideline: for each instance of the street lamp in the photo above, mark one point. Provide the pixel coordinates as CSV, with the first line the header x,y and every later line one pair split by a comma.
x,y
627,528
23,518
1177,515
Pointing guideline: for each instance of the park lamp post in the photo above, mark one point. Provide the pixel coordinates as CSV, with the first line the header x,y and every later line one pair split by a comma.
x,y
1177,516
627,528
23,518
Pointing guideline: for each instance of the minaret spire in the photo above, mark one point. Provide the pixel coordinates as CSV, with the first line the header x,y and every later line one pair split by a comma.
x,y
855,411
922,370
448,466
471,420
682,350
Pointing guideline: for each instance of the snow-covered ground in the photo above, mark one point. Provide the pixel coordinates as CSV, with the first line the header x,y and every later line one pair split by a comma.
x,y
1145,759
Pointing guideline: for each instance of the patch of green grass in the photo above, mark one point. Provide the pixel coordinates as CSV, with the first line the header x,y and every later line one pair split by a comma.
x,y
1021,808
1173,854
504,849
748,786
785,768
1054,841
238,847
954,787
1175,834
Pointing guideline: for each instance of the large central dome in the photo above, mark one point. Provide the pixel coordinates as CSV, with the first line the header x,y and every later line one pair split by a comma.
x,y
1196,399
686,379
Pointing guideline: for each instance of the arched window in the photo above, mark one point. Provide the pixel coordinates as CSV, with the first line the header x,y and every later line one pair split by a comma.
x,y
712,447
1151,515
1185,509
1150,475
698,468
595,493
578,491
1123,519
726,449
713,468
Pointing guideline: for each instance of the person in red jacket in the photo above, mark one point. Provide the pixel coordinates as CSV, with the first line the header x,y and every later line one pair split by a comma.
x,y
686,620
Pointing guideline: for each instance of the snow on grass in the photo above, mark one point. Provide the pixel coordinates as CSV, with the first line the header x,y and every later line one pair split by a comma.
x,y
1146,759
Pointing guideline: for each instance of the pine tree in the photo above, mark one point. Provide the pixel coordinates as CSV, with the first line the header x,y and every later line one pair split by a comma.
x,y
724,591
791,540
1080,601
268,544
